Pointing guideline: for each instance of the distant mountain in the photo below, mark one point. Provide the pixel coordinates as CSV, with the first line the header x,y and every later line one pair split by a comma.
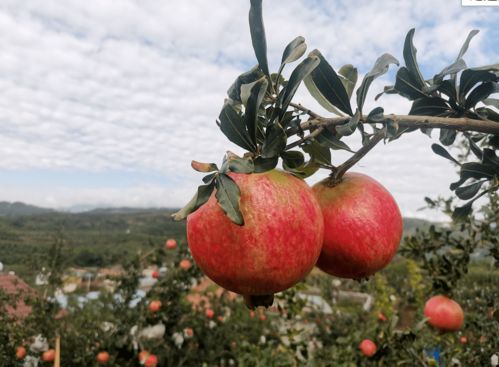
x,y
19,209
125,210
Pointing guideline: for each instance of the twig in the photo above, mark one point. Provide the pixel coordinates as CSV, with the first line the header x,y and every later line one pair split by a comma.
x,y
338,173
312,135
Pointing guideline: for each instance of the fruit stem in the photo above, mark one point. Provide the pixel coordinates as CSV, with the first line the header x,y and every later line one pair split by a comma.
x,y
338,172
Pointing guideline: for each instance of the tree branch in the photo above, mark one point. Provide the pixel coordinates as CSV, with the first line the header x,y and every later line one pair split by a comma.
x,y
338,173
454,123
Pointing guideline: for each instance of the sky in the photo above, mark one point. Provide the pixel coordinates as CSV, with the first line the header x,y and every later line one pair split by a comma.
x,y
105,103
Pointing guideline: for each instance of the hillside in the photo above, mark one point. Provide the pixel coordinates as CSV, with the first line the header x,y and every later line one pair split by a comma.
x,y
19,209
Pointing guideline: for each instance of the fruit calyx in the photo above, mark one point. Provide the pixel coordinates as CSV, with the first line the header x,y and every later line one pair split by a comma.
x,y
254,301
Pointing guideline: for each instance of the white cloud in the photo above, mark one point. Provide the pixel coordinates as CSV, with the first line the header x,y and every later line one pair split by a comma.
x,y
137,85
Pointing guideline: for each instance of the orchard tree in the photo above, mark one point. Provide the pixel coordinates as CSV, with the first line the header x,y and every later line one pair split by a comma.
x,y
254,229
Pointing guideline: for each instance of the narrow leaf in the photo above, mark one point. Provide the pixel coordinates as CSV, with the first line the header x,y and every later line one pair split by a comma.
x,y
479,93
467,192
350,126
292,159
326,138
349,78
476,170
265,164
329,84
253,106
228,195
234,91
471,77
491,102
453,68
407,85
410,60
376,115
232,125
257,31
318,153
441,151
275,141
466,43
447,136
293,51
240,165
431,106
380,67
462,212
301,71
204,167
201,197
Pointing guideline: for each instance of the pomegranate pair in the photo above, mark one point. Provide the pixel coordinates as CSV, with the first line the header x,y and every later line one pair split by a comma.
x,y
349,229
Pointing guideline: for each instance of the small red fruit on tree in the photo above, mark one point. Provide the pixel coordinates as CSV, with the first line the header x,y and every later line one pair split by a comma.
x,y
155,274
151,361
210,313
188,332
102,357
362,226
444,313
20,352
171,244
381,317
48,356
276,247
463,340
185,264
154,306
368,347
143,356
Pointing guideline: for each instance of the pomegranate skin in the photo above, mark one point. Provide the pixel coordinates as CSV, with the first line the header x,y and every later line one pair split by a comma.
x,y
368,347
362,226
444,313
277,246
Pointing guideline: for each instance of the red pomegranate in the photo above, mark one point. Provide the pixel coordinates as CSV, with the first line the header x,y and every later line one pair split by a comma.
x,y
20,352
276,247
102,357
444,313
368,347
151,361
362,226
48,356
171,244
210,313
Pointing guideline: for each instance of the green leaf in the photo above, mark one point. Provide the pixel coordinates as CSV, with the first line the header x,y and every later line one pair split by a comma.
x,y
475,149
476,170
432,106
380,67
318,153
209,178
488,113
467,192
410,60
292,159
257,31
299,73
275,141
201,197
253,106
453,68
466,43
204,167
462,212
448,88
304,171
349,127
376,115
349,78
293,51
326,138
469,78
265,164
329,84
240,165
228,195
491,102
480,93
441,151
407,85
232,125
447,136
251,76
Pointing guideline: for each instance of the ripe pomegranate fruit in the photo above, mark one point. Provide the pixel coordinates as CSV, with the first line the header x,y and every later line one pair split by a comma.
x,y
209,313
276,247
155,274
185,264
463,340
171,244
151,361
362,226
48,356
368,347
154,306
143,356
444,314
102,357
20,352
